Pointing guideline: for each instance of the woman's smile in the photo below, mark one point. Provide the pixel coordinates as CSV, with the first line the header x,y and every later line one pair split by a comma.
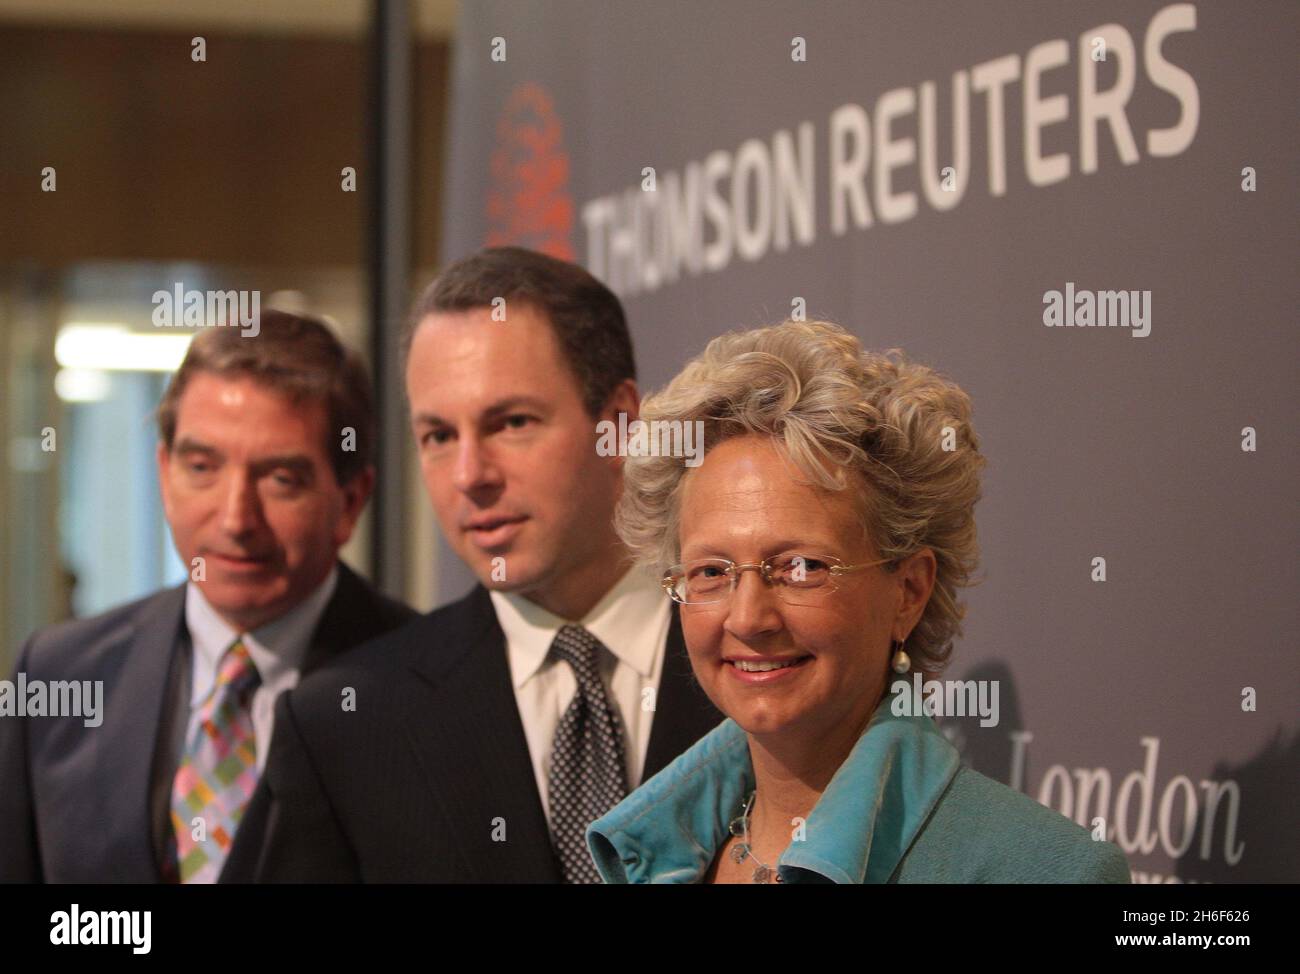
x,y
765,670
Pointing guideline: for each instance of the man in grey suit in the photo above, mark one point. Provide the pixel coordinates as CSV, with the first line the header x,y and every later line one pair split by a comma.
x,y
265,466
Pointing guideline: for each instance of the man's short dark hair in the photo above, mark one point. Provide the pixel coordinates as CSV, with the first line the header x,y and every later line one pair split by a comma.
x,y
297,356
585,316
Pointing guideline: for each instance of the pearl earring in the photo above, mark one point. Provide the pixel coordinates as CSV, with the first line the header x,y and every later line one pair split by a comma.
x,y
902,662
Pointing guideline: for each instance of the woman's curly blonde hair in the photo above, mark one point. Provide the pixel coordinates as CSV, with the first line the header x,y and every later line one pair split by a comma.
x,y
838,411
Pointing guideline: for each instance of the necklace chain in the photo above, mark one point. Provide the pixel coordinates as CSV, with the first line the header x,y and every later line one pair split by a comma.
x,y
742,850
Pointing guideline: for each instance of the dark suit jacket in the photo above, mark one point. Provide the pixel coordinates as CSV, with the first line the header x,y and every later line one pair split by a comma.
x,y
75,800
429,779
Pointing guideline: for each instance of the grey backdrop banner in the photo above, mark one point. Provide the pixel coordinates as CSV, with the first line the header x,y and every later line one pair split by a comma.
x,y
951,179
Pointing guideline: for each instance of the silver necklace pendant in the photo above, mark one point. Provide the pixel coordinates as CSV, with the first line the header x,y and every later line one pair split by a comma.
x,y
741,851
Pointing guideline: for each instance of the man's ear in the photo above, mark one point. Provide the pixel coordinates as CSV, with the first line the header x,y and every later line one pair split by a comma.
x,y
163,456
626,398
358,490
356,493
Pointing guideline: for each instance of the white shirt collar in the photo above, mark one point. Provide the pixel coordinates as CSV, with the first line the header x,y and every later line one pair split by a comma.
x,y
620,620
277,647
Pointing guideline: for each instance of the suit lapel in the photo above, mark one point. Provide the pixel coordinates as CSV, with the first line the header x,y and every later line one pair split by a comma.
x,y
355,614
465,728
683,713
135,685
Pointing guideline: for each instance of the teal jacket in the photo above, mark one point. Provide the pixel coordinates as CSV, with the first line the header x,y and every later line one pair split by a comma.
x,y
901,809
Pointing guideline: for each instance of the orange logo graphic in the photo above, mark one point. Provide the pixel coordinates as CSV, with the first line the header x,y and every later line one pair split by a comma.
x,y
528,202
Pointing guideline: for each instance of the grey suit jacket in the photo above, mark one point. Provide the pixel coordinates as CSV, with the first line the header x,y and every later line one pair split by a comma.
x,y
75,800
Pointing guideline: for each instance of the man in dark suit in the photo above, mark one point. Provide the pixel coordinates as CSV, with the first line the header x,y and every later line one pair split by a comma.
x,y
264,466
478,742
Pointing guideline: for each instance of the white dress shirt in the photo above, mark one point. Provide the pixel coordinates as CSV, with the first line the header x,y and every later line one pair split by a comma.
x,y
277,649
632,622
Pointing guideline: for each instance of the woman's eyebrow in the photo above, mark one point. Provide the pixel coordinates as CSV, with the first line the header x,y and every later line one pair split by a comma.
x,y
798,545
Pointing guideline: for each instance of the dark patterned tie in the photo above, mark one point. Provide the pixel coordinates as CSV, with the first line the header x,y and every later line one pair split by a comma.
x,y
587,776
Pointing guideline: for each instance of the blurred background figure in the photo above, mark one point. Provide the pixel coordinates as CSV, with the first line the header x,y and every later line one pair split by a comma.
x,y
135,159
264,468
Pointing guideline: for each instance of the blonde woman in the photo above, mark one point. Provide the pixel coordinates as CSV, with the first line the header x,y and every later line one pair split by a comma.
x,y
816,554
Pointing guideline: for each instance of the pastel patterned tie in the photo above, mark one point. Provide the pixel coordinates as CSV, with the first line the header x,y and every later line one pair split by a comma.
x,y
587,776
219,771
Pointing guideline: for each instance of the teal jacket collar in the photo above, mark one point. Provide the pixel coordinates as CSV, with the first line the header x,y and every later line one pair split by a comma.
x,y
670,829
